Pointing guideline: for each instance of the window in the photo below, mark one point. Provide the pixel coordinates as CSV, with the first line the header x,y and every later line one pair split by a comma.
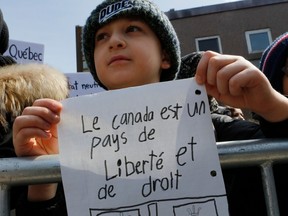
x,y
258,40
209,43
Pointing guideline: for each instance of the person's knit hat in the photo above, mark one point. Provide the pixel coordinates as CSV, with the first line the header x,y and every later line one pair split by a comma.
x,y
4,34
4,43
273,60
110,10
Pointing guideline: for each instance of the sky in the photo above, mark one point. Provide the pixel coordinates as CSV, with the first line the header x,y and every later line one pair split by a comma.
x,y
52,23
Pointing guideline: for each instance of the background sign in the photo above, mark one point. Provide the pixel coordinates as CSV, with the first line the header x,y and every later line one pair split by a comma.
x,y
82,84
25,52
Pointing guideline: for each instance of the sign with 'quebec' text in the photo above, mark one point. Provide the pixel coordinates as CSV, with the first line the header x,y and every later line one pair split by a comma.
x,y
25,52
146,150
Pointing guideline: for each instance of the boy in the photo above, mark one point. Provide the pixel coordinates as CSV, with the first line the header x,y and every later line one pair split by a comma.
x,y
126,43
131,43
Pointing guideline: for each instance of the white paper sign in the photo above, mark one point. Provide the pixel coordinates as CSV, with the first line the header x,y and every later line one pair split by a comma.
x,y
82,84
146,150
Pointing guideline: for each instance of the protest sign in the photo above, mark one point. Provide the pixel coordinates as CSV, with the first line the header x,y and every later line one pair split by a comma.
x,y
146,150
81,84
25,52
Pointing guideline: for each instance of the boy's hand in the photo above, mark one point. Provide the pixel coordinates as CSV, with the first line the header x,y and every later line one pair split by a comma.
x,y
35,131
34,134
235,81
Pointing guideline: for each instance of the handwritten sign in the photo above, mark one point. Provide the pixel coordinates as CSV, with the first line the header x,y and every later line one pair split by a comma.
x,y
146,150
82,84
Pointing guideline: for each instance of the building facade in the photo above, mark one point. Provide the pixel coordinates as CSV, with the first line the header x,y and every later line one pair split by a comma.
x,y
243,28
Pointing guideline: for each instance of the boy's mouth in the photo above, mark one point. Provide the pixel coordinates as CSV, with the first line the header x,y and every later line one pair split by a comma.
x,y
118,58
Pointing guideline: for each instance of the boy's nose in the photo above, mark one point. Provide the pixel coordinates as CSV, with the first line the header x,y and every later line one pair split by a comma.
x,y
117,41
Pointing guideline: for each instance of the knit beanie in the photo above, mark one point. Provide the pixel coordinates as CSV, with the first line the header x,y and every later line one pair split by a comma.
x,y
110,10
4,34
4,43
273,60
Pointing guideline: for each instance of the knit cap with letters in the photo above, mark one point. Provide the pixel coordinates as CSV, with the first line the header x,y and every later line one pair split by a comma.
x,y
110,10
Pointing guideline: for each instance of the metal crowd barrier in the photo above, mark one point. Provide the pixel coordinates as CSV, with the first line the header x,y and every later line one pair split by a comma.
x,y
46,169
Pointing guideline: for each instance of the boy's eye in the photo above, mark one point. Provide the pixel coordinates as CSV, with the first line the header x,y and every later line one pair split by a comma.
x,y
133,29
101,36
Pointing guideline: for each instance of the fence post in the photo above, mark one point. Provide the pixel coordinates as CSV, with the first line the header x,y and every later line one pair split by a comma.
x,y
4,200
269,189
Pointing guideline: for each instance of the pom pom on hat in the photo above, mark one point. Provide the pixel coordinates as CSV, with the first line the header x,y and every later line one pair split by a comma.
x,y
273,60
110,10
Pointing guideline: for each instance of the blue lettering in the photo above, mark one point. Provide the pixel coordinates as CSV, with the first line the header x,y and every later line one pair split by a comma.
x,y
15,53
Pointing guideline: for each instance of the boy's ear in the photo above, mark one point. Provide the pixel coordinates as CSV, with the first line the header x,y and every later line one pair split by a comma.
x,y
165,60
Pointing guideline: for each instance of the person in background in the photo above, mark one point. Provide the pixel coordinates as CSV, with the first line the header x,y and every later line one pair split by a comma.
x,y
6,145
134,46
5,132
20,86
274,64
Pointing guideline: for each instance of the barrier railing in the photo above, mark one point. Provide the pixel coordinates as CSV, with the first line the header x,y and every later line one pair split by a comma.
x,y
46,169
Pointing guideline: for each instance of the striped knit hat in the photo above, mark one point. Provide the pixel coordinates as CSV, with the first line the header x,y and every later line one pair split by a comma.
x,y
110,10
273,60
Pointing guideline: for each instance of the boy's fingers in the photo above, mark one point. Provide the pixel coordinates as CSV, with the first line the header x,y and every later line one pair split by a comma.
x,y
216,70
202,68
207,68
51,104
31,114
27,121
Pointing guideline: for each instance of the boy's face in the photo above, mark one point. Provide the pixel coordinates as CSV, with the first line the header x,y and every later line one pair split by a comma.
x,y
128,53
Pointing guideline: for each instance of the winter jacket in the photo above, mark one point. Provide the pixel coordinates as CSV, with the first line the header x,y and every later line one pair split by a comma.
x,y
20,86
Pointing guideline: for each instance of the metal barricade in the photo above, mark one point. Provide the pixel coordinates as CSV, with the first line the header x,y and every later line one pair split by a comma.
x,y
46,169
